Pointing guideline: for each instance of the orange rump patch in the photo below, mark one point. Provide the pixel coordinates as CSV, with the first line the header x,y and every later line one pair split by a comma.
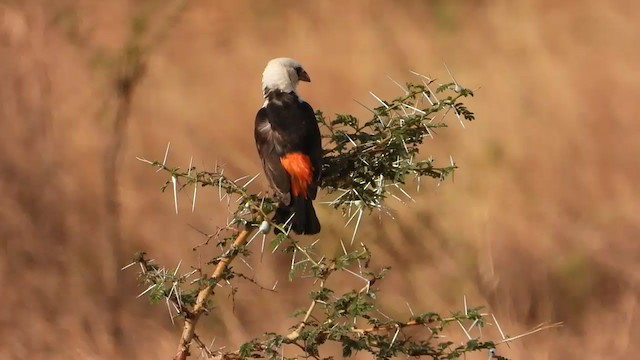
x,y
298,166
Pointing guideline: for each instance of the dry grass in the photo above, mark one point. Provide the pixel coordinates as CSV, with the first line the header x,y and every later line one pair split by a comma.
x,y
540,223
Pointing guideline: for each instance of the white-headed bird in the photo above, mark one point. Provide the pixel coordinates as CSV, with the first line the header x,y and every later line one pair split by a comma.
x,y
289,144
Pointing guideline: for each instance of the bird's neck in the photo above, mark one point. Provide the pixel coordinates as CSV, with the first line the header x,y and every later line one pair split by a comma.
x,y
277,96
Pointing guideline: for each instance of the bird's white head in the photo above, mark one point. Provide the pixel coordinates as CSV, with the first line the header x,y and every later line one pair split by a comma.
x,y
283,74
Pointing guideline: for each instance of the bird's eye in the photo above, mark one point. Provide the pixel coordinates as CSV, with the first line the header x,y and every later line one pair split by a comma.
x,y
298,69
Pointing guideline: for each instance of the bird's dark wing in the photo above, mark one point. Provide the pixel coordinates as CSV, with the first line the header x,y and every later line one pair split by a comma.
x,y
313,144
267,142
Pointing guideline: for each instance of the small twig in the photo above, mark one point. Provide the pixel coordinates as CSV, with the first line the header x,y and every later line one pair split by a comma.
x,y
253,281
203,346
305,350
216,235
394,325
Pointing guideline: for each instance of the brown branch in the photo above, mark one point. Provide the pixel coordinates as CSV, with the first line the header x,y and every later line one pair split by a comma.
x,y
192,317
296,333
395,325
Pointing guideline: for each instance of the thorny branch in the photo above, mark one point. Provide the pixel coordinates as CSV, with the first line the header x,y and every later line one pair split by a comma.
x,y
365,162
192,317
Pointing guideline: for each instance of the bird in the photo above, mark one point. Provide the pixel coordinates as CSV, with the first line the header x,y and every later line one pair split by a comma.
x,y
289,144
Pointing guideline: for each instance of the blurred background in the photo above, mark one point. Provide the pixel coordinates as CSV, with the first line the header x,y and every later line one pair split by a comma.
x,y
539,224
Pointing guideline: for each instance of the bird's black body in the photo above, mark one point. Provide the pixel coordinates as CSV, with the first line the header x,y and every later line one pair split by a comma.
x,y
289,144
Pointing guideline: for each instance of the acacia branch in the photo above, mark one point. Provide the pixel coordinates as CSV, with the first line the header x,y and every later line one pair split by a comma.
x,y
192,317
296,333
401,325
329,270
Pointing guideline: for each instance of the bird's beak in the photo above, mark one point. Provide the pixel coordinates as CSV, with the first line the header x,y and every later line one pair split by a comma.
x,y
303,76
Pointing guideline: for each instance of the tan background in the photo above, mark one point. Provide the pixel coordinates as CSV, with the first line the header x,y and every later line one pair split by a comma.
x,y
540,223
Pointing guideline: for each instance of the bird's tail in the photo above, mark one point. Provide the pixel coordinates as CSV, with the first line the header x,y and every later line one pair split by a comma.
x,y
302,214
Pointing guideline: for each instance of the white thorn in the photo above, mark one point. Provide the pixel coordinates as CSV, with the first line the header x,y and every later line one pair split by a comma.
x,y
264,237
455,111
383,314
397,198
246,263
170,313
174,181
422,76
377,98
166,154
251,180
351,140
498,326
400,86
427,96
404,192
464,300
450,74
355,231
177,268
414,109
406,149
144,160
190,165
464,330
178,296
356,275
432,93
253,237
128,266
394,337
286,223
410,310
148,289
240,178
195,194
428,131
472,325
364,106
405,113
